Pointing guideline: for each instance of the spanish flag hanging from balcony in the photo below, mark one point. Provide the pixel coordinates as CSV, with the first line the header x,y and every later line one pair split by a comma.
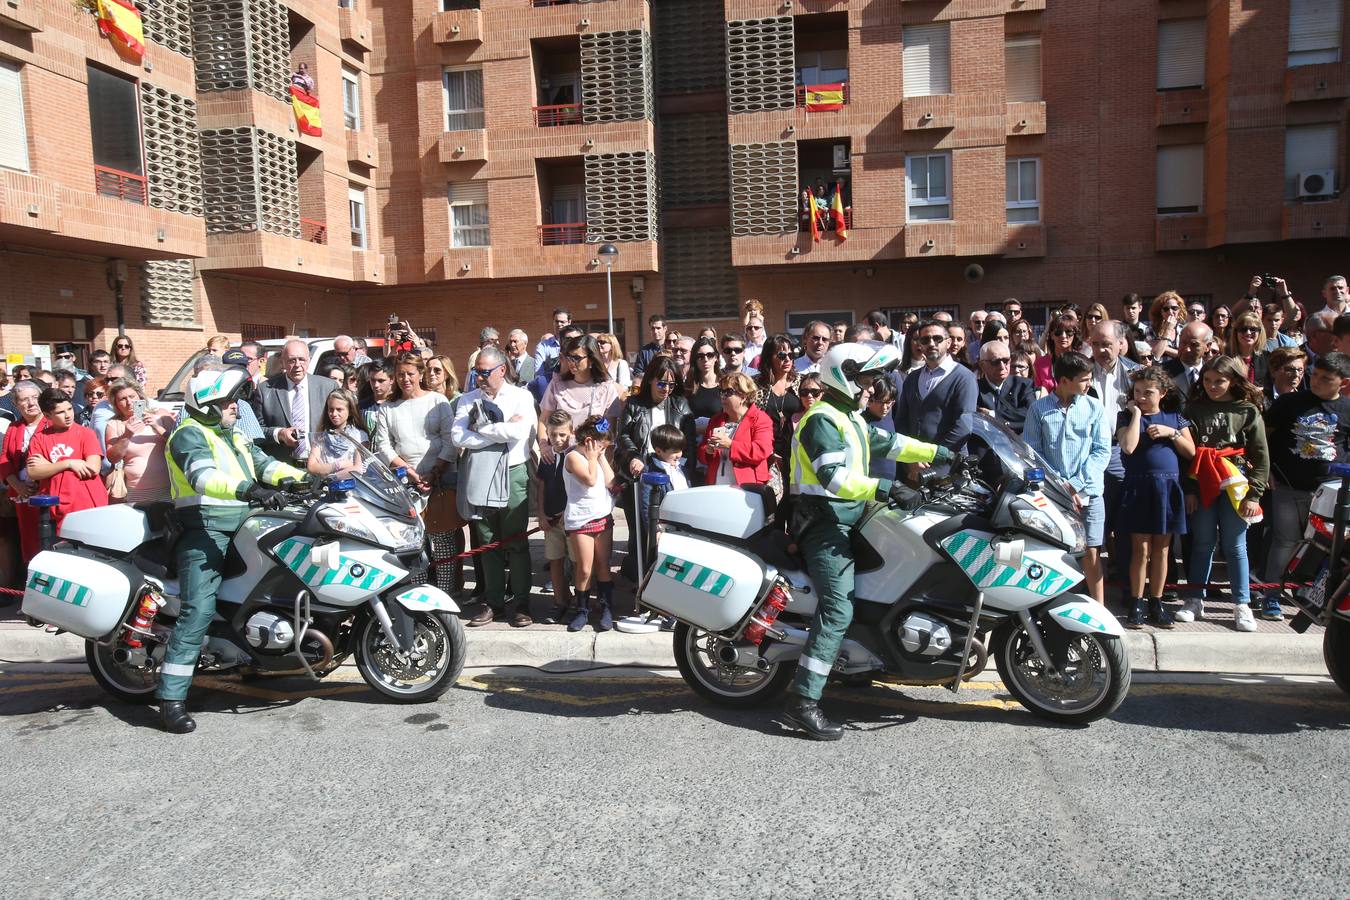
x,y
824,97
837,212
813,207
306,107
120,21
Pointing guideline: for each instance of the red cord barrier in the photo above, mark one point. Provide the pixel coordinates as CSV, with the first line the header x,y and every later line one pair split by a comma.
x,y
509,539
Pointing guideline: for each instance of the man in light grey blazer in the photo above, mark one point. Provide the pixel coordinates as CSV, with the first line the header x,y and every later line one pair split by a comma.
x,y
290,405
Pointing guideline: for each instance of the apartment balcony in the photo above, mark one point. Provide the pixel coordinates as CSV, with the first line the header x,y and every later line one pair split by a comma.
x,y
1323,81
1026,117
361,148
557,114
822,97
313,232
1182,107
311,255
564,233
354,27
121,185
21,15
933,111
458,26
1318,219
462,146
1182,232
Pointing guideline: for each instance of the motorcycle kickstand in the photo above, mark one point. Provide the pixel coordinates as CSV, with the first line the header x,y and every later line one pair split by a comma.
x,y
1038,642
955,686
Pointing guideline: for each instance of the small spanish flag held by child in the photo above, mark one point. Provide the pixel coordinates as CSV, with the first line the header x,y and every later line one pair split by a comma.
x,y
306,107
837,212
120,21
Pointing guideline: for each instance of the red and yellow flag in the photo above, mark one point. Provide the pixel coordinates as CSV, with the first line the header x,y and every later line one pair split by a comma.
x,y
815,214
121,21
306,107
824,97
837,212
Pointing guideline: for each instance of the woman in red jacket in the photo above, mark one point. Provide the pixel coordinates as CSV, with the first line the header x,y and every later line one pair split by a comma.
x,y
738,443
14,464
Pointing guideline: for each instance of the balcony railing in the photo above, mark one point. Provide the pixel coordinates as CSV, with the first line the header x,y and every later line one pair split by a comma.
x,y
122,185
804,221
313,232
824,95
564,114
566,233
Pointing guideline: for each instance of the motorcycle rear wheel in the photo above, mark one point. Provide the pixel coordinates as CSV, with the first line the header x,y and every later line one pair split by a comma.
x,y
1336,652
126,683
1099,676
731,686
440,640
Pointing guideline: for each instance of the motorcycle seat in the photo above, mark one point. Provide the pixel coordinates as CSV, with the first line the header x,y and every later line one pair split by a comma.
x,y
157,514
766,497
776,548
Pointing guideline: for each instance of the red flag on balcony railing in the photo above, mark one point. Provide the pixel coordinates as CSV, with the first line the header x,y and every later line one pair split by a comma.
x,y
814,209
824,97
837,212
121,21
306,108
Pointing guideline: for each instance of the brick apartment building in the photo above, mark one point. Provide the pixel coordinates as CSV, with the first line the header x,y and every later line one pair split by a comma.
x,y
476,153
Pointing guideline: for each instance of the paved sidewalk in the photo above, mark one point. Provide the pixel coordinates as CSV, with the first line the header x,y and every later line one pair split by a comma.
x,y
1210,645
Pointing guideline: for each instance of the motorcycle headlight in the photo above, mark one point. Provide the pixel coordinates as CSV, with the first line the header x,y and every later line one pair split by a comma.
x,y
1038,521
334,520
407,535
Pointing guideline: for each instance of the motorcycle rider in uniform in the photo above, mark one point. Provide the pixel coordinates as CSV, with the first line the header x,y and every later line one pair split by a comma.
x,y
831,451
214,473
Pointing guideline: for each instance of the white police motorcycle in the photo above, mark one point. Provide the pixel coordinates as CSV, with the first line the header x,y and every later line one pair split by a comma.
x,y
336,572
983,564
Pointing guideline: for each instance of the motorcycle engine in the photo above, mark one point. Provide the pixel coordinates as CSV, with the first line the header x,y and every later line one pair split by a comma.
x,y
269,631
922,634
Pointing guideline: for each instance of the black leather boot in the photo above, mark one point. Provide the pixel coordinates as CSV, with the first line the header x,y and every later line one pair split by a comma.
x,y
174,717
805,714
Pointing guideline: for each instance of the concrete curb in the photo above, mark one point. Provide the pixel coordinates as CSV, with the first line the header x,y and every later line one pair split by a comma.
x,y
1237,654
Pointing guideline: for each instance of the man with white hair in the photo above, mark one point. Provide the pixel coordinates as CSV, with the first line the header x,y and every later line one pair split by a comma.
x,y
290,404
346,349
518,354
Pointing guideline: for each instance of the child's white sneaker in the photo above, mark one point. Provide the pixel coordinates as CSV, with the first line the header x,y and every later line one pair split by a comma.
x,y
1243,619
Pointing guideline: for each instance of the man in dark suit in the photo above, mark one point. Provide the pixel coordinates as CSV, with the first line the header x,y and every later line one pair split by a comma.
x,y
1185,366
1003,395
937,401
290,405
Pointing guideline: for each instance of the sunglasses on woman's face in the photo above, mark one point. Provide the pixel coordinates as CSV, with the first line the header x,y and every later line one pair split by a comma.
x,y
783,354
728,392
1247,329
1064,332
666,385
707,356
809,392
1093,317
123,346
575,358
96,394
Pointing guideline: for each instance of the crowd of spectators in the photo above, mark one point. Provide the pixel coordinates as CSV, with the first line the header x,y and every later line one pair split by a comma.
x,y
1181,429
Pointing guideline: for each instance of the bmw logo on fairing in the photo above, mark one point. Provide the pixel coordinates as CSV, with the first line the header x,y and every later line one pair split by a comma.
x,y
358,570
1034,571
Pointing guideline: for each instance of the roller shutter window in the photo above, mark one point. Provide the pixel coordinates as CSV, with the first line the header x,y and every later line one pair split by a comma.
x,y
1309,149
14,138
927,60
1314,32
1181,54
1181,179
356,207
469,214
1022,65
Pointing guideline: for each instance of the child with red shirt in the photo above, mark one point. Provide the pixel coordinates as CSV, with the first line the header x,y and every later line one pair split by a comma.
x,y
65,458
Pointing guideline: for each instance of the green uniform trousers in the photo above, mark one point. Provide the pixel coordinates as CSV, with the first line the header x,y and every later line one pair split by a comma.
x,y
201,560
824,542
497,523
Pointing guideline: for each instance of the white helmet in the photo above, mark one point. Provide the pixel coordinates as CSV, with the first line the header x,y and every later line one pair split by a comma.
x,y
215,388
842,364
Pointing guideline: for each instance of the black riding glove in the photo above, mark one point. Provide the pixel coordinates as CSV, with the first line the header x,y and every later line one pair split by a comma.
x,y
264,496
904,496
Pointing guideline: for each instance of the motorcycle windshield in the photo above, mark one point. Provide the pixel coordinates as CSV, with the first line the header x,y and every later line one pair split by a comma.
x,y
1016,456
375,483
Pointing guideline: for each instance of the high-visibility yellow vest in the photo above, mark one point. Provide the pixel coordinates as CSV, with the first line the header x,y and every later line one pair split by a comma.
x,y
233,465
856,458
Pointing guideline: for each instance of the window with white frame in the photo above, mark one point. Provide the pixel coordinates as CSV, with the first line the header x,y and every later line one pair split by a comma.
x,y
469,214
1181,179
351,98
1310,155
1314,32
928,186
463,90
14,137
356,207
1024,190
927,62
1181,54
1022,68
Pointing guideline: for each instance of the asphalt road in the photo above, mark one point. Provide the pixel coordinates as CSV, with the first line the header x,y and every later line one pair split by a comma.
x,y
530,786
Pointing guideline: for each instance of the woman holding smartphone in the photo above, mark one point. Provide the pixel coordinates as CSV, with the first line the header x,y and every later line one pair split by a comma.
x,y
136,436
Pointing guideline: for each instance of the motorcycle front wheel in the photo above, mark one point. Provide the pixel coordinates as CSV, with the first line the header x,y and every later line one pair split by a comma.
x,y
429,671
1093,685
130,684
733,686
1336,652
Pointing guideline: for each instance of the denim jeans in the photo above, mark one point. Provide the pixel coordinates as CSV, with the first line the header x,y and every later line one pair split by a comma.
x,y
1219,521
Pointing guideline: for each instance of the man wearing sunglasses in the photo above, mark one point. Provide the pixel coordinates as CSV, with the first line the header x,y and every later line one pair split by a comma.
x,y
495,425
937,401
735,357
815,341
1002,394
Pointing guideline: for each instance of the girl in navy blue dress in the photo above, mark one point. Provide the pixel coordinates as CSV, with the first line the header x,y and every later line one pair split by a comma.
x,y
1152,502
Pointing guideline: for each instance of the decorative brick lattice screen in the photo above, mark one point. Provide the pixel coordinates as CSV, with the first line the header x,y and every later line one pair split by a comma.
x,y
763,188
616,76
167,296
620,197
173,153
699,280
250,182
760,65
241,44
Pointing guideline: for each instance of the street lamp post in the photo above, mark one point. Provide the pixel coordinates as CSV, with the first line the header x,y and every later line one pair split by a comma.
x,y
609,253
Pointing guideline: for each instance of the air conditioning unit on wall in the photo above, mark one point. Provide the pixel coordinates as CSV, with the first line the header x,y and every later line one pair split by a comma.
x,y
1318,183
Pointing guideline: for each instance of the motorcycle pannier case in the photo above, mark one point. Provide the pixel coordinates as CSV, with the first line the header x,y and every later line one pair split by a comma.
x,y
81,595
709,585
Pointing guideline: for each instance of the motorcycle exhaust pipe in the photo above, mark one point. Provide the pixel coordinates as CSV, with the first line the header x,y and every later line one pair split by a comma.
x,y
744,655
